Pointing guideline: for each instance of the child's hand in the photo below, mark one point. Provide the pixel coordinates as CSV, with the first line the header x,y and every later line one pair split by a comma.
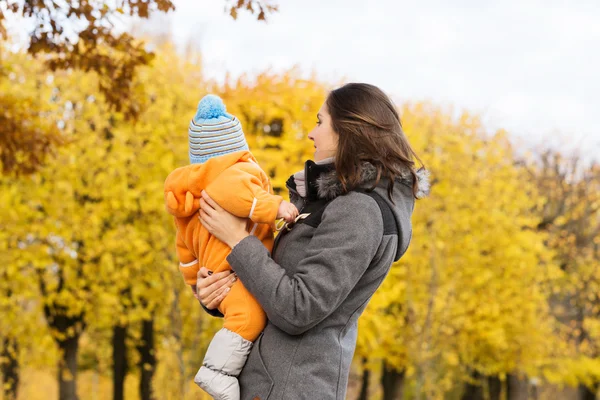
x,y
287,211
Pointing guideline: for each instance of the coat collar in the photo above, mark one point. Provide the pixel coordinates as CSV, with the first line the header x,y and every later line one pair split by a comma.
x,y
322,181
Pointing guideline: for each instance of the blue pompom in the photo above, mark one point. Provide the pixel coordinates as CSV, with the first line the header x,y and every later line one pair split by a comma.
x,y
210,106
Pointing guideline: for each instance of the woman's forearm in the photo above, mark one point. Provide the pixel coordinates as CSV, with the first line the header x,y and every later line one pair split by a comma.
x,y
333,262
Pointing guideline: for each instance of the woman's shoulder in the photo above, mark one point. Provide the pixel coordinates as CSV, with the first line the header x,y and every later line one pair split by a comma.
x,y
354,209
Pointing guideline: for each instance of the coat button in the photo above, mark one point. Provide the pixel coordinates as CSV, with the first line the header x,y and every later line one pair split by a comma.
x,y
256,398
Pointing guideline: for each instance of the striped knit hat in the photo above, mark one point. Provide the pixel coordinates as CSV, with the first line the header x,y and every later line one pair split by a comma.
x,y
214,132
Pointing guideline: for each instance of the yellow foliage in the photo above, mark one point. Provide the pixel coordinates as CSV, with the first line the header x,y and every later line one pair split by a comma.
x,y
87,237
471,291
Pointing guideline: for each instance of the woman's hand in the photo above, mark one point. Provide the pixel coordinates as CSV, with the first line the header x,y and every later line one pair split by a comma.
x,y
212,289
224,226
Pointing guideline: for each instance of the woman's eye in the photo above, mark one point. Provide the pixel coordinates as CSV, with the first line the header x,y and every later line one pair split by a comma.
x,y
318,122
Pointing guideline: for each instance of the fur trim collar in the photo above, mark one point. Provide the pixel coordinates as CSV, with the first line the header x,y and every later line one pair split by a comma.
x,y
329,187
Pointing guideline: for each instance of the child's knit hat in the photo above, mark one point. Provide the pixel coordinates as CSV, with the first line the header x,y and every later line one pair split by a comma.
x,y
213,131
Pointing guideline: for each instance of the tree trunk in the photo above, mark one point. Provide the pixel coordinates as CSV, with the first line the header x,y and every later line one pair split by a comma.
x,y
473,391
147,359
66,330
176,332
478,391
494,387
10,368
119,361
67,368
586,393
364,389
517,388
392,382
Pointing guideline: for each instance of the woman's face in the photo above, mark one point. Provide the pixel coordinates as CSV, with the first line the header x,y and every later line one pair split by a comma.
x,y
323,136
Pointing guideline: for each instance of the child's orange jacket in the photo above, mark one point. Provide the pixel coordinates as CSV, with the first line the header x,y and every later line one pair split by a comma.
x,y
235,182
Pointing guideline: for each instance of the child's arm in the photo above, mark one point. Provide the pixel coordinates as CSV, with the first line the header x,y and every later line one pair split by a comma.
x,y
239,190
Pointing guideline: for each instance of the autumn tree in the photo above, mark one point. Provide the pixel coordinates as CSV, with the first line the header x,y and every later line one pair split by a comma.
x,y
80,35
86,244
101,242
569,211
277,111
17,293
82,202
468,302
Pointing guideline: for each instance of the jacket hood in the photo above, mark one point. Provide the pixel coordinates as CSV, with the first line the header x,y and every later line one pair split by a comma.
x,y
329,187
183,186
323,183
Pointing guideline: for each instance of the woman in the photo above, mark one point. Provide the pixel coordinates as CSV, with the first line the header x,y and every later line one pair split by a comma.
x,y
360,194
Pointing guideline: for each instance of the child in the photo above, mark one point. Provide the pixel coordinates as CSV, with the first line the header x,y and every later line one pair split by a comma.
x,y
222,165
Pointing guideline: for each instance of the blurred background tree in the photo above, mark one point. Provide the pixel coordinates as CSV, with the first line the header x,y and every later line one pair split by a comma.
x,y
87,36
497,298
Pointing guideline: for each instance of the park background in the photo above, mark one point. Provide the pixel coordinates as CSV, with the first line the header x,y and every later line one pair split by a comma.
x,y
498,296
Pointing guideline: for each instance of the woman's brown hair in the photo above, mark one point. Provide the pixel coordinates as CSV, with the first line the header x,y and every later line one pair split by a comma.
x,y
369,129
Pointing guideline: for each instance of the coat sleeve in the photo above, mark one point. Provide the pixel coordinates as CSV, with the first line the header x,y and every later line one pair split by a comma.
x,y
340,251
240,190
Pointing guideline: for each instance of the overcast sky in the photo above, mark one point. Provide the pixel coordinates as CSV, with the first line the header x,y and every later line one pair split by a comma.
x,y
531,67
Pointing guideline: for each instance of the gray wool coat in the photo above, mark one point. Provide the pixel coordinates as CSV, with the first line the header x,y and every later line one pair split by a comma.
x,y
316,285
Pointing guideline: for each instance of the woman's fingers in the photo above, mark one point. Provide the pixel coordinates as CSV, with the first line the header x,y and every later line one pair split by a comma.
x,y
203,215
206,221
212,282
203,272
218,298
206,208
211,288
215,298
210,201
